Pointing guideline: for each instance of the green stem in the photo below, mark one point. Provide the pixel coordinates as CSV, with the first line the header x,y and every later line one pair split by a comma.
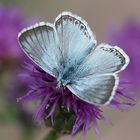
x,y
27,134
53,135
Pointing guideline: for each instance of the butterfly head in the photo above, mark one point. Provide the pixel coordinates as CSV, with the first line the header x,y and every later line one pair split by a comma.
x,y
61,84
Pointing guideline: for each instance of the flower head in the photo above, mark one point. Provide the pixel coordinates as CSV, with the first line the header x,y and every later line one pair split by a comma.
x,y
61,106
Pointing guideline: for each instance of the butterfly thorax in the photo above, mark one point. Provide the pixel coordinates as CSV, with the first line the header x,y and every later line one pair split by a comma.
x,y
65,74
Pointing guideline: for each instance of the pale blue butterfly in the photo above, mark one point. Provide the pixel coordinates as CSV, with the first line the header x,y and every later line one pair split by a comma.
x,y
67,50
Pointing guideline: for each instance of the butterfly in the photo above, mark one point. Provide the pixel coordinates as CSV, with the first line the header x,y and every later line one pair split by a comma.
x,y
68,51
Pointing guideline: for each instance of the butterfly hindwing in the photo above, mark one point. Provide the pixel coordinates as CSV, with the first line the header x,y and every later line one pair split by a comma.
x,y
95,89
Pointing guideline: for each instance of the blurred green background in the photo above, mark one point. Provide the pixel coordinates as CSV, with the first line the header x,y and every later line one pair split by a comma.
x,y
102,17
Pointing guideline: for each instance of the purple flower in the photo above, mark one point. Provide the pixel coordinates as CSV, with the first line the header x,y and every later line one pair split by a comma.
x,y
128,38
45,89
11,22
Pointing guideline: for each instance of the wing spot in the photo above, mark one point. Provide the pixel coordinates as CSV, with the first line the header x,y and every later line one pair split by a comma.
x,y
86,34
76,22
70,19
82,27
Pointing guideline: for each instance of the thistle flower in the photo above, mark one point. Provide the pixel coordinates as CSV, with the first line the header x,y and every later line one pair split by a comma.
x,y
60,106
128,38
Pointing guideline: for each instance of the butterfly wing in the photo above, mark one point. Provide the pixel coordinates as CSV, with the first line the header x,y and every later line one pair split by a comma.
x,y
40,42
95,89
96,78
76,39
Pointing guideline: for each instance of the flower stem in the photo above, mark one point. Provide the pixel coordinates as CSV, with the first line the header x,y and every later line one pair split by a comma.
x,y
28,134
53,135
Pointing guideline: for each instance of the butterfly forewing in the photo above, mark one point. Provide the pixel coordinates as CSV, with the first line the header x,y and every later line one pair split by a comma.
x,y
76,39
40,42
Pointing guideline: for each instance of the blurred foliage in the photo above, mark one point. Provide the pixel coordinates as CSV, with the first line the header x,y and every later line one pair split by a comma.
x,y
11,111
53,135
9,2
